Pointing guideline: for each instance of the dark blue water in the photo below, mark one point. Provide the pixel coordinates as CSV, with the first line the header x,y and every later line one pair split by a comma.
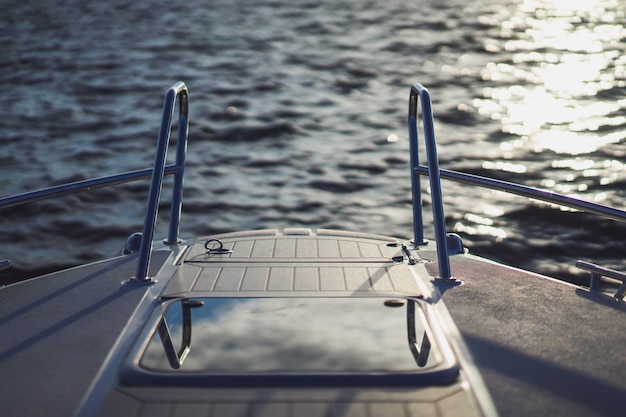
x,y
295,108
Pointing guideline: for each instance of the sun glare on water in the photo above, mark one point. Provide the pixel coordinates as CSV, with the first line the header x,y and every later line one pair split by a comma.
x,y
562,55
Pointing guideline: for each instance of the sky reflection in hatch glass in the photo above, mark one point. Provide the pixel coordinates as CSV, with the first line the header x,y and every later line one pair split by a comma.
x,y
285,335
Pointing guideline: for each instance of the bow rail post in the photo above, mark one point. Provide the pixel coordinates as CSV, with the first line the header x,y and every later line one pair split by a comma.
x,y
417,90
178,90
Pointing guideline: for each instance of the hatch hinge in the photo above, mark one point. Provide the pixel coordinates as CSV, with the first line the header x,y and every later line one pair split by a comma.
x,y
408,254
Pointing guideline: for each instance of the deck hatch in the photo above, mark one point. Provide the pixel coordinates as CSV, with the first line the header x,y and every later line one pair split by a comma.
x,y
292,341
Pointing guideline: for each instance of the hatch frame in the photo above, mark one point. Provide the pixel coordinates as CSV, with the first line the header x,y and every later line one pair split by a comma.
x,y
444,372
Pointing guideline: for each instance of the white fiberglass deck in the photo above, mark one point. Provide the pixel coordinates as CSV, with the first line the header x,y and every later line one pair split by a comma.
x,y
313,268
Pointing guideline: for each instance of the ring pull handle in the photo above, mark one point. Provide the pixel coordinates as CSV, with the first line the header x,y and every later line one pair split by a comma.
x,y
215,246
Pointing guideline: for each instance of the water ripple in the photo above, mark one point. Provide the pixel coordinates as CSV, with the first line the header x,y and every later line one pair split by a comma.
x,y
292,105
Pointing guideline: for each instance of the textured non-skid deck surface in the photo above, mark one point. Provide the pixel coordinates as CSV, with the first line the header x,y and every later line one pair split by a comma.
x,y
57,330
543,347
323,264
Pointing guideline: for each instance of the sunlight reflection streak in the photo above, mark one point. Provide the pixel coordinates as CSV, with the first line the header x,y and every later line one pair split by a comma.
x,y
563,51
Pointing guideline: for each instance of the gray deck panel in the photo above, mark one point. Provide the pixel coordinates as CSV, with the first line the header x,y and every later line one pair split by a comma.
x,y
333,262
306,248
285,248
402,280
328,248
357,279
347,410
300,402
280,279
263,248
229,279
349,249
205,281
196,410
391,409
380,280
229,410
306,279
184,279
309,409
157,410
271,410
332,279
297,247
266,278
429,410
255,279
369,250
241,248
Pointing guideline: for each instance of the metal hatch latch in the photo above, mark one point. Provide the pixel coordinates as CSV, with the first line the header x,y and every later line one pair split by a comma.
x,y
408,254
405,252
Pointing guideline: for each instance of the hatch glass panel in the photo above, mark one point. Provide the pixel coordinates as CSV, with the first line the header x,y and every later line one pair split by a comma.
x,y
292,335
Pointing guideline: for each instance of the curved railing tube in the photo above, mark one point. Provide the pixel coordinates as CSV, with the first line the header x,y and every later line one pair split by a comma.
x,y
435,174
78,186
530,192
417,90
178,90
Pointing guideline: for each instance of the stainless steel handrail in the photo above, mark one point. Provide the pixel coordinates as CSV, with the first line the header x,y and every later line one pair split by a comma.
x,y
417,90
178,90
78,186
435,174
530,192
